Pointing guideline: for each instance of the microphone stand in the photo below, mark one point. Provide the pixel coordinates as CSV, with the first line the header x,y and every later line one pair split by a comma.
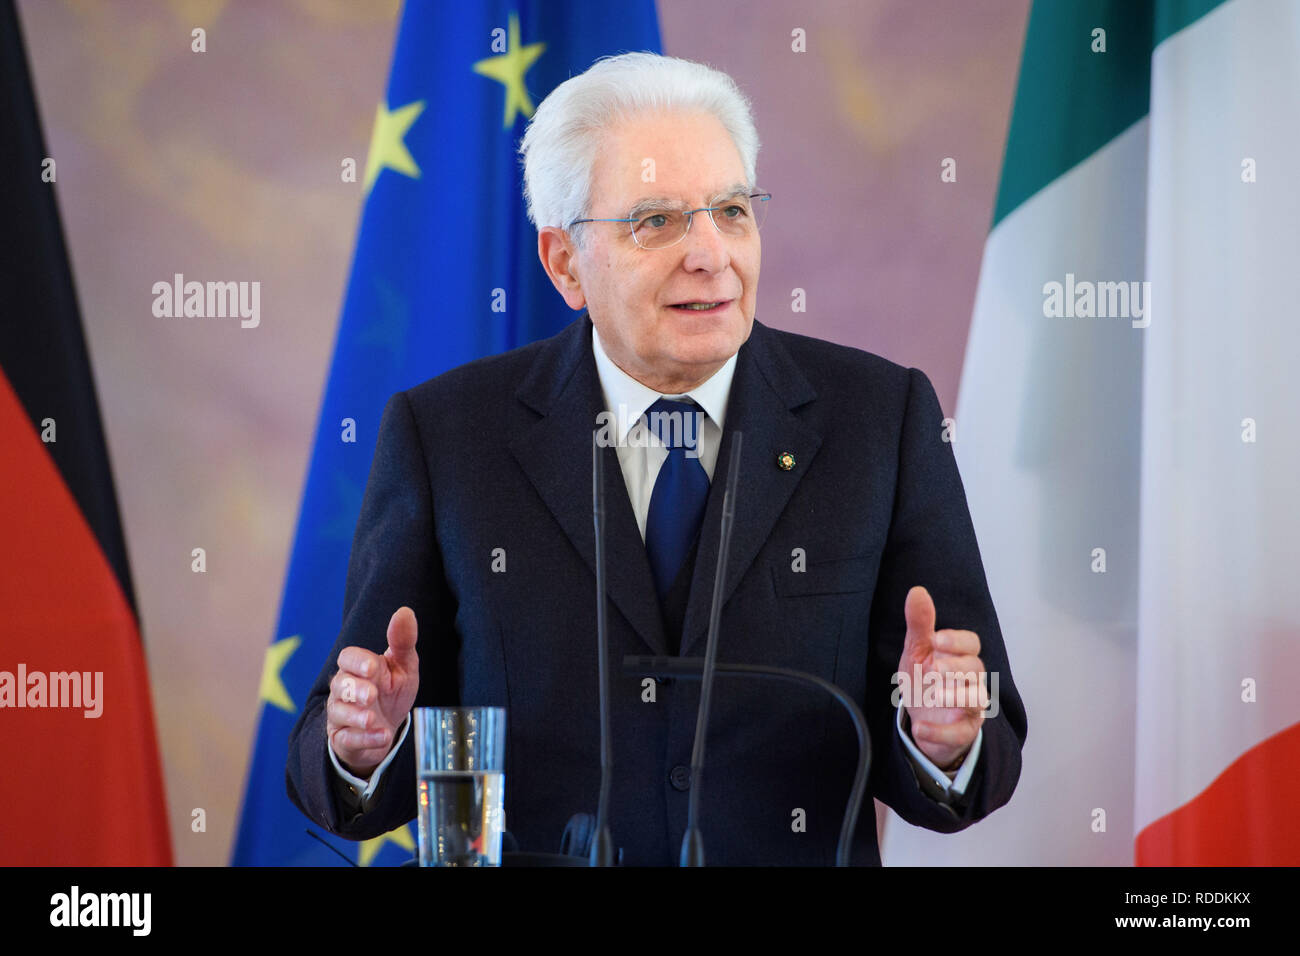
x,y
692,842
602,844
693,668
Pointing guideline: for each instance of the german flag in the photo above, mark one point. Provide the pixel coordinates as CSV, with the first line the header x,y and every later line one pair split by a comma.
x,y
82,780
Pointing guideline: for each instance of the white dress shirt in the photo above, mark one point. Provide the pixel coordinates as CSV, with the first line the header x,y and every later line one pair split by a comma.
x,y
640,455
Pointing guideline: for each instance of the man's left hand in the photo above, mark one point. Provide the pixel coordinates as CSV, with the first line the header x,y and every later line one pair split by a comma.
x,y
944,733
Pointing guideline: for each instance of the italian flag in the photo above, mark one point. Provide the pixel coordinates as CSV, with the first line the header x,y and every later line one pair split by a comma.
x,y
1128,433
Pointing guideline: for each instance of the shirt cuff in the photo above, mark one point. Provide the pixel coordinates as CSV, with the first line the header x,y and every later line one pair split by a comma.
x,y
364,789
954,784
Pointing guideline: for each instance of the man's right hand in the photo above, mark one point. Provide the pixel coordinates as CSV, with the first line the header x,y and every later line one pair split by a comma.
x,y
370,696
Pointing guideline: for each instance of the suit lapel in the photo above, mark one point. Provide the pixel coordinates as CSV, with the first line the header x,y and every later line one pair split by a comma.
x,y
766,386
555,453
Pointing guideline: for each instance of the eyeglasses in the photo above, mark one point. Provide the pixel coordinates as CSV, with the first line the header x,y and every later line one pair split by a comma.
x,y
659,226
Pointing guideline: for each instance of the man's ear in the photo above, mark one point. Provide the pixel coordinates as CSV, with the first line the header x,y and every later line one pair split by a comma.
x,y
559,257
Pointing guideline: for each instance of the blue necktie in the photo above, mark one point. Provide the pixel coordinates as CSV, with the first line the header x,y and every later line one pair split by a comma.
x,y
681,491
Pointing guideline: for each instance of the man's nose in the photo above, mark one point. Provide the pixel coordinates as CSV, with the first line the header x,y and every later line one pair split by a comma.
x,y
706,247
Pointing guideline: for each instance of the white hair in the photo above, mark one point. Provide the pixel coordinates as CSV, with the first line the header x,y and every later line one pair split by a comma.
x,y
559,148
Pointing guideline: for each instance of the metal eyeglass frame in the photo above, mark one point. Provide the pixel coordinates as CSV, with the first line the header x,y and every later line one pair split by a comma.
x,y
690,218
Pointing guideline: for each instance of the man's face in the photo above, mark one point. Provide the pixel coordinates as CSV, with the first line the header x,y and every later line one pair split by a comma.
x,y
631,292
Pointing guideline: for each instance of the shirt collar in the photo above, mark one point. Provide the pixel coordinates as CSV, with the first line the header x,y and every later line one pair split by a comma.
x,y
635,398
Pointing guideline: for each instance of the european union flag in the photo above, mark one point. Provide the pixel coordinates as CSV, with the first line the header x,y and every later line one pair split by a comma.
x,y
445,271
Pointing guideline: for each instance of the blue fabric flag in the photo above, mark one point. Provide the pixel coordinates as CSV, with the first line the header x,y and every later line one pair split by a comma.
x,y
445,271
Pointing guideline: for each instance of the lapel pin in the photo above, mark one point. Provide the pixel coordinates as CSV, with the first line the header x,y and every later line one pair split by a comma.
x,y
785,461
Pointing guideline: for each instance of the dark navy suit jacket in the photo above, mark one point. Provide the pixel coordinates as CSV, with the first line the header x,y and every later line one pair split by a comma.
x,y
496,454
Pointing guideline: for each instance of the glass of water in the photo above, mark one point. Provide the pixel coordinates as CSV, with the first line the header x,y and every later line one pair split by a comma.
x,y
460,767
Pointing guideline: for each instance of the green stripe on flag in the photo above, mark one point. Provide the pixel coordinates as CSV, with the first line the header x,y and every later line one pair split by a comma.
x,y
1173,15
1070,101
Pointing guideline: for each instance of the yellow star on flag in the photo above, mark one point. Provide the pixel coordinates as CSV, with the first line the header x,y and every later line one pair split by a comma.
x,y
370,848
509,69
387,149
273,690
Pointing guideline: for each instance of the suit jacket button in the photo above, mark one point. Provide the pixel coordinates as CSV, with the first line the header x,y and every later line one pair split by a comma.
x,y
680,777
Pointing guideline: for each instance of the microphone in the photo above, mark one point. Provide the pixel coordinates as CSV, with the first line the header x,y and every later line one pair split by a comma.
x,y
602,845
692,668
692,841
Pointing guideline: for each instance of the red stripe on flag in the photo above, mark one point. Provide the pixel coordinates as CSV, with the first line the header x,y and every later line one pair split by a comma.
x,y
1246,817
78,790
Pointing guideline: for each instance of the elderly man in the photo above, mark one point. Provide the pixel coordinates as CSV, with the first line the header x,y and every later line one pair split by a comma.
x,y
471,578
